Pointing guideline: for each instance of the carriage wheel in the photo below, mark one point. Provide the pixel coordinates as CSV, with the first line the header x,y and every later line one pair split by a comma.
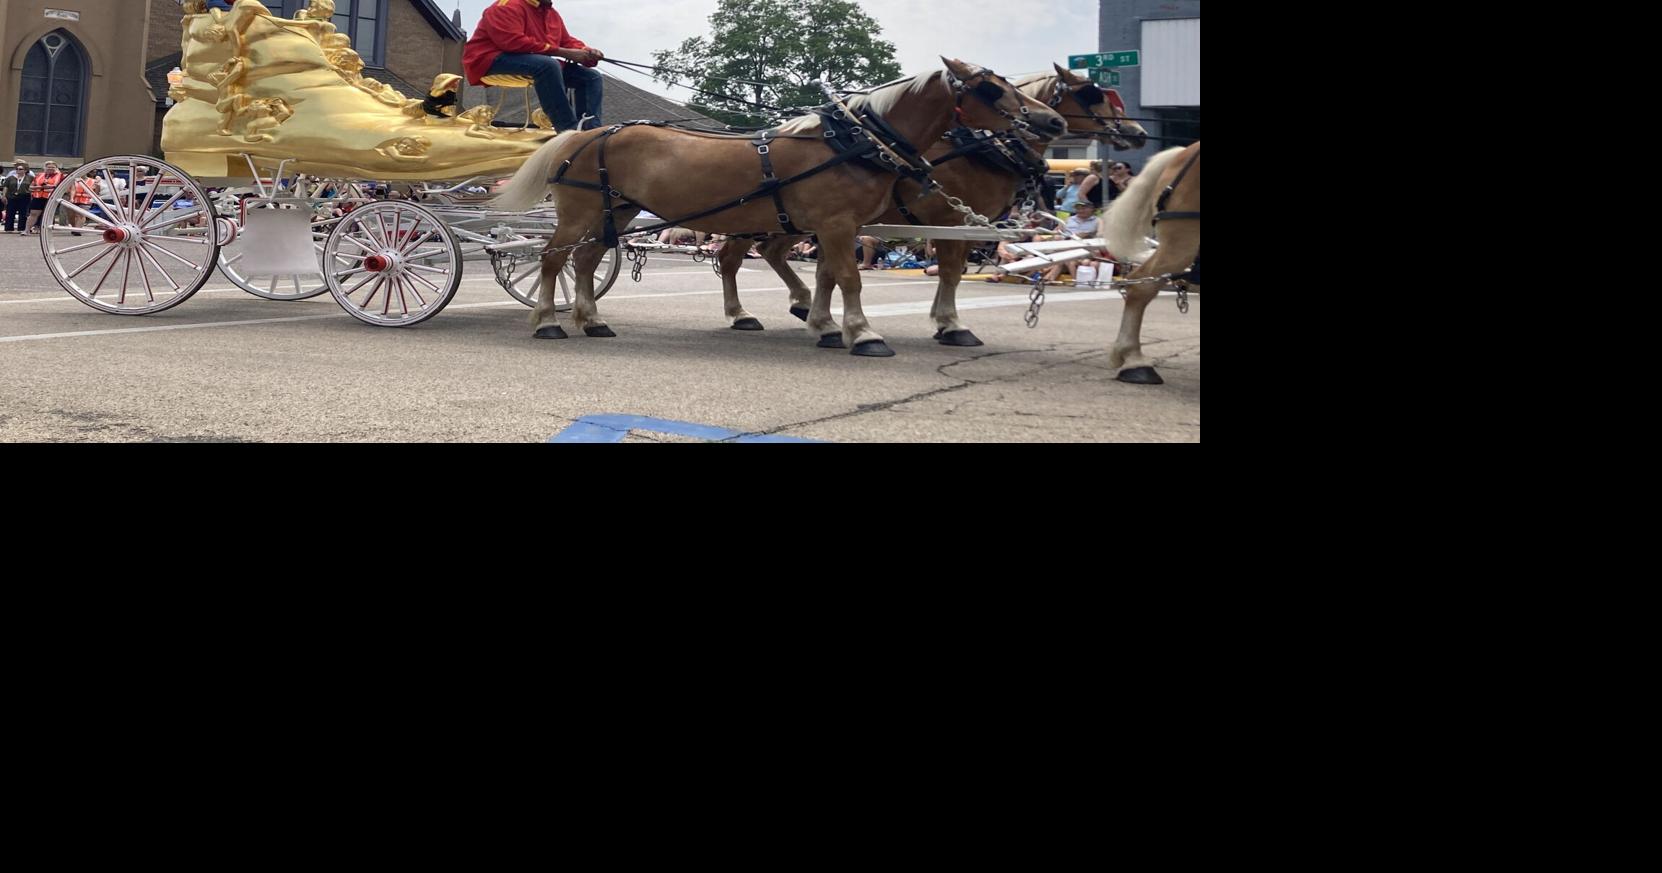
x,y
141,248
296,286
525,283
392,264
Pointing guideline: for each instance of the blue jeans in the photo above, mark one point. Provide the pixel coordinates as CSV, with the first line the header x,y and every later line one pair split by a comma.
x,y
551,78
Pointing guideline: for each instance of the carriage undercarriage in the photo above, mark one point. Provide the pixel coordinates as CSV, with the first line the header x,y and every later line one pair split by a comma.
x,y
152,236
146,236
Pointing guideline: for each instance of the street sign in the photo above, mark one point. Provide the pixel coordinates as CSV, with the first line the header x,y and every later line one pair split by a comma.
x,y
1110,78
1105,59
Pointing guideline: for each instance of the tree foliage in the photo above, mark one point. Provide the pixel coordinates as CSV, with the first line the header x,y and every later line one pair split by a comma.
x,y
772,52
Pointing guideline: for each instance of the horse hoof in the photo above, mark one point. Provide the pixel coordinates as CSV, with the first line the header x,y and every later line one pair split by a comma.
x,y
957,338
832,341
873,349
747,324
799,312
1141,376
598,330
555,332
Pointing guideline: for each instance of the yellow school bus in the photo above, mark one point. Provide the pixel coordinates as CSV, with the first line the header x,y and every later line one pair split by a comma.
x,y
1063,167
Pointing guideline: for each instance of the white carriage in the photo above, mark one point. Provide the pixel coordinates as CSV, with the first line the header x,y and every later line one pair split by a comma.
x,y
133,235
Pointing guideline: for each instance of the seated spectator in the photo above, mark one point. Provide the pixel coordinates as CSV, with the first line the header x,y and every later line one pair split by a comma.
x,y
867,250
1082,224
680,236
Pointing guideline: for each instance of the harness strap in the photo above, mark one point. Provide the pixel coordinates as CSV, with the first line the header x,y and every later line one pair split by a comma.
x,y
606,192
771,182
900,203
1160,205
917,171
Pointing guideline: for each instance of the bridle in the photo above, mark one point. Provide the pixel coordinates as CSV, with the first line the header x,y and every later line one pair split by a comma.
x,y
989,93
1090,95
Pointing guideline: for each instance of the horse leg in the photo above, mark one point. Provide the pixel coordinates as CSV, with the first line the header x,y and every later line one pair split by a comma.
x,y
584,313
732,257
857,332
1127,353
950,255
820,322
545,321
774,252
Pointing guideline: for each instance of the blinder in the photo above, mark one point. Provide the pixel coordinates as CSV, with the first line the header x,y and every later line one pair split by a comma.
x,y
989,91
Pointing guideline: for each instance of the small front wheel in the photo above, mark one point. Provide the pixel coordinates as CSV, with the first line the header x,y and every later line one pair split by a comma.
x,y
392,264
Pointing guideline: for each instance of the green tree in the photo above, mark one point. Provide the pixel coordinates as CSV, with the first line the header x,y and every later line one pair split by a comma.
x,y
772,52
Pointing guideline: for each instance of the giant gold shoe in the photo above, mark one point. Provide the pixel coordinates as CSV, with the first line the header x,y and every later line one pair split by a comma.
x,y
278,89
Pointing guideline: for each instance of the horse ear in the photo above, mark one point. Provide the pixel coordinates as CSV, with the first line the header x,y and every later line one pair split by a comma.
x,y
1067,76
958,68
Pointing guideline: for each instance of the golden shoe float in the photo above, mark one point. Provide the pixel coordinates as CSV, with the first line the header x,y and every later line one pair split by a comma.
x,y
279,89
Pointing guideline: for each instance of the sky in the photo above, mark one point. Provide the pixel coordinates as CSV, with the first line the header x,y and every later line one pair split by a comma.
x,y
1010,36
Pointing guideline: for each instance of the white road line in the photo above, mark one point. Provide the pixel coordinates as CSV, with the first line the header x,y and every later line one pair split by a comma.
x,y
466,282
879,310
48,336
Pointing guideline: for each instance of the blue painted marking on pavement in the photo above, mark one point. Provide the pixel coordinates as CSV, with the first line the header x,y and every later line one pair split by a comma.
x,y
613,429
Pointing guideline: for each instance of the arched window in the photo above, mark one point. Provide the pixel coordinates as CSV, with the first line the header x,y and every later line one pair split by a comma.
x,y
52,97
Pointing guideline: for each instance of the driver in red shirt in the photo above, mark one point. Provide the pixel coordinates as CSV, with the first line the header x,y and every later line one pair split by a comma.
x,y
528,38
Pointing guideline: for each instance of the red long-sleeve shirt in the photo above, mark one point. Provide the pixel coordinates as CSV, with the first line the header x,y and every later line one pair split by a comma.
x,y
515,27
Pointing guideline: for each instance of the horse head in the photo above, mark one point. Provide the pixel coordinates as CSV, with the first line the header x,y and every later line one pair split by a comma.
x,y
1084,104
997,104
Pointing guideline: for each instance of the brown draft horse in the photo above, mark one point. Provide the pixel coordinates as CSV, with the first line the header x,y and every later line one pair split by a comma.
x,y
681,173
986,189
1164,200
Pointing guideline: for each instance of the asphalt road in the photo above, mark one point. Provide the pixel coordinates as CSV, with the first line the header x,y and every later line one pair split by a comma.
x,y
226,366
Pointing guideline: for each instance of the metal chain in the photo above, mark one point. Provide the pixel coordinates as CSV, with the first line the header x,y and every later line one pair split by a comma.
x,y
1036,299
639,260
970,215
1182,297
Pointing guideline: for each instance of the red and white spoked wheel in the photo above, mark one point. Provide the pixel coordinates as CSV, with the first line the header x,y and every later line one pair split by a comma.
x,y
522,278
392,264
143,237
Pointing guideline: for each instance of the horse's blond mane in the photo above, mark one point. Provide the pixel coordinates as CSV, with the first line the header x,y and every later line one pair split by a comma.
x,y
880,100
1027,85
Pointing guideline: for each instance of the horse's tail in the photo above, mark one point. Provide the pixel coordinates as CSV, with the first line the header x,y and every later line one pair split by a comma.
x,y
530,185
1131,215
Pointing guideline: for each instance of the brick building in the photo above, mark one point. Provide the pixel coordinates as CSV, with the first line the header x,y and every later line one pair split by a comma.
x,y
88,78
72,80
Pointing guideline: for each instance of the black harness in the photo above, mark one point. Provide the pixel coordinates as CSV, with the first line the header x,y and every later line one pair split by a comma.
x,y
868,139
1000,152
1160,205
1193,273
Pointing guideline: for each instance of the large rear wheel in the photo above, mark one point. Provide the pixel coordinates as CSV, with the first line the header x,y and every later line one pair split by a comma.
x,y
142,239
